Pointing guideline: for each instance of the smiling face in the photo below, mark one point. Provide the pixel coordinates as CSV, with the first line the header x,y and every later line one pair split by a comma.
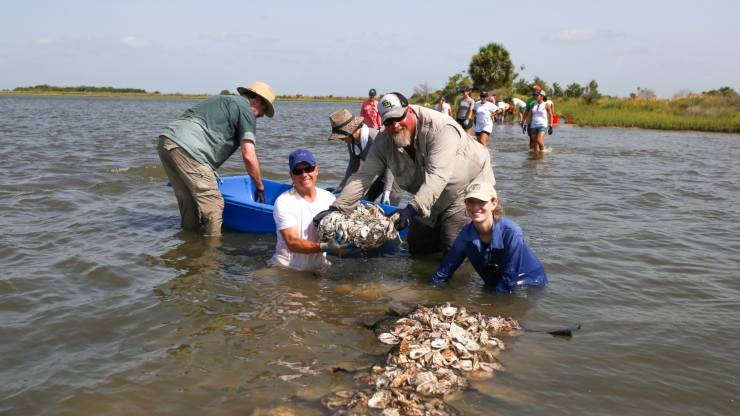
x,y
304,177
403,129
480,211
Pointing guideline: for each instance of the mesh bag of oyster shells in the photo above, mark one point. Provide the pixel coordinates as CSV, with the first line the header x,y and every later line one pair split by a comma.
x,y
366,227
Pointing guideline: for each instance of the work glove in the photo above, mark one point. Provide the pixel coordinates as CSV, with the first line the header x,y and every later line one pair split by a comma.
x,y
524,129
549,130
320,216
404,217
386,198
259,196
337,248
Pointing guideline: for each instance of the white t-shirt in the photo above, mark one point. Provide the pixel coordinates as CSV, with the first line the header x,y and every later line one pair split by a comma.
x,y
502,105
446,109
483,121
291,210
519,103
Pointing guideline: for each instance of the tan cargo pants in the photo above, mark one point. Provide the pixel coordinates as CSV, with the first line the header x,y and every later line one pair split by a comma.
x,y
195,188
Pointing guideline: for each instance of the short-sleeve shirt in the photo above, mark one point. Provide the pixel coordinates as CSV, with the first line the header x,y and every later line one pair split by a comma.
x,y
464,106
483,121
370,115
519,103
291,210
446,109
213,130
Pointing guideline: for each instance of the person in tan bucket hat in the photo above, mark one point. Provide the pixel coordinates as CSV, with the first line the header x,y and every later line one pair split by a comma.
x,y
194,145
359,139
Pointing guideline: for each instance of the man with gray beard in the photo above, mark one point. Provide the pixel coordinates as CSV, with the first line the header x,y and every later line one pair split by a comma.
x,y
432,158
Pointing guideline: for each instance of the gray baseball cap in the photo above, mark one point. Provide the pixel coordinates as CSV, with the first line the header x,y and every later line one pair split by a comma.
x,y
392,105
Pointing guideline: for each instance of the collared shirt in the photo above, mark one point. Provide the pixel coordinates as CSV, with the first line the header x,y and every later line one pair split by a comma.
x,y
505,264
369,112
446,160
213,130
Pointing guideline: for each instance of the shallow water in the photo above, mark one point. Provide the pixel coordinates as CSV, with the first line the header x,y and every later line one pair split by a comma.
x,y
106,307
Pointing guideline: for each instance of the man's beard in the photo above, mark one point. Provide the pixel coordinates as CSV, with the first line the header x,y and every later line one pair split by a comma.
x,y
402,138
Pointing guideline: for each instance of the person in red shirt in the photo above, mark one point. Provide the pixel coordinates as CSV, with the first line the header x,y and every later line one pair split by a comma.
x,y
369,111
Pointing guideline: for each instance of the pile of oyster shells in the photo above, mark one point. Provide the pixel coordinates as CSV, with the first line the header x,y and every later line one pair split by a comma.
x,y
436,350
366,227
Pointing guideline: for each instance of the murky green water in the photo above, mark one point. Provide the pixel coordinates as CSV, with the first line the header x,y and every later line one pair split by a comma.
x,y
107,308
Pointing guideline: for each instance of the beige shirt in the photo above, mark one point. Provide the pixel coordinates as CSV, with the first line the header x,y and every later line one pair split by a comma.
x,y
447,161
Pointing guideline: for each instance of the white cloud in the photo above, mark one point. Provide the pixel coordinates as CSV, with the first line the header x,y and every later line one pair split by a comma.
x,y
134,42
43,41
583,35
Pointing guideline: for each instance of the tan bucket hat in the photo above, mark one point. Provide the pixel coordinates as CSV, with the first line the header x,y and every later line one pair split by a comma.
x,y
343,124
264,90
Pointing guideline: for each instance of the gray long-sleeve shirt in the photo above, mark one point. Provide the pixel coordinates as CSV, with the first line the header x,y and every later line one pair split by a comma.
x,y
447,160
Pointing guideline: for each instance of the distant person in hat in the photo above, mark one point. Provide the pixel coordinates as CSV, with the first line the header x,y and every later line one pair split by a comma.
x,y
442,106
539,121
369,110
493,244
485,110
359,139
530,102
298,244
193,146
432,158
465,110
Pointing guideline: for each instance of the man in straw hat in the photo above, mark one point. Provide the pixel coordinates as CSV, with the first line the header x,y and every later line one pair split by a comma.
x,y
193,146
359,139
432,158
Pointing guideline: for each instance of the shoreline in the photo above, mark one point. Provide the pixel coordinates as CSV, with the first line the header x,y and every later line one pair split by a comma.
x,y
153,96
594,115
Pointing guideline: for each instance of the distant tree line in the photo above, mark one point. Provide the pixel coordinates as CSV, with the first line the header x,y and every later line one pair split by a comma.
x,y
81,88
491,70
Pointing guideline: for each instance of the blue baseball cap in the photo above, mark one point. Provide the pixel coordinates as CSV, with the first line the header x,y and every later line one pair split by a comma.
x,y
300,156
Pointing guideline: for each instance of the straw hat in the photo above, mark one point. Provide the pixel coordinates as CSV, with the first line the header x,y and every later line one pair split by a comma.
x,y
343,124
264,90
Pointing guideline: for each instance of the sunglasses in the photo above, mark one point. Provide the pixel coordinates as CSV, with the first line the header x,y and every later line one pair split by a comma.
x,y
301,171
393,120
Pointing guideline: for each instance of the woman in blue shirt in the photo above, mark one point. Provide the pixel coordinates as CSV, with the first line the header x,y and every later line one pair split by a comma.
x,y
494,245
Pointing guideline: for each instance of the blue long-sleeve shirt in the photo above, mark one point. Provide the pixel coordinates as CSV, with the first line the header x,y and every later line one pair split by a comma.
x,y
505,264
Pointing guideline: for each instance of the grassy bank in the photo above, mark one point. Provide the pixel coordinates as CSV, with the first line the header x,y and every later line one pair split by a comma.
x,y
715,113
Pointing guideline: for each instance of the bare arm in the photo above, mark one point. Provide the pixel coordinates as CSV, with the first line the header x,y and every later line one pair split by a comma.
x,y
298,245
549,114
251,163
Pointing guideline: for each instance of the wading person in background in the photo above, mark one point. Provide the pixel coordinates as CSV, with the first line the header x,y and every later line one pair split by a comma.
x,y
369,110
539,121
443,107
465,110
359,139
530,102
520,106
432,158
484,113
192,147
298,244
494,244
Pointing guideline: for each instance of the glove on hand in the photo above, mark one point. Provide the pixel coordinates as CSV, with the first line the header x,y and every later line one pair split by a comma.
x,y
259,196
524,129
335,247
549,130
317,219
386,197
405,216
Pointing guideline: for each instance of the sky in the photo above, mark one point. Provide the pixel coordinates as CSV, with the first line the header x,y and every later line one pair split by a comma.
x,y
343,48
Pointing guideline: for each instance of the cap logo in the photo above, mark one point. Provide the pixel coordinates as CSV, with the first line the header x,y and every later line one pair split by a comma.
x,y
387,104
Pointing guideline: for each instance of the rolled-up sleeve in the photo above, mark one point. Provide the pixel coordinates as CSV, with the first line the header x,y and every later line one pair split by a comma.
x,y
441,156
451,261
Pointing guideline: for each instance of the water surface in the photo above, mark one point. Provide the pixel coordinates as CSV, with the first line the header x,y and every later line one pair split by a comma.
x,y
106,307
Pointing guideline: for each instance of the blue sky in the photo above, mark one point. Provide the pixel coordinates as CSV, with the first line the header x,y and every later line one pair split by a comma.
x,y
346,47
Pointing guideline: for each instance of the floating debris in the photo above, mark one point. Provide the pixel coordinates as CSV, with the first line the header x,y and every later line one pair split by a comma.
x,y
366,227
436,349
